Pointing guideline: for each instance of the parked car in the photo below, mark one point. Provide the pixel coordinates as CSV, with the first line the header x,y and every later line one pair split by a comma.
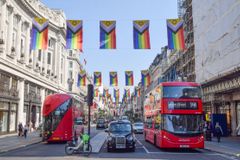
x,y
124,118
101,123
120,136
138,127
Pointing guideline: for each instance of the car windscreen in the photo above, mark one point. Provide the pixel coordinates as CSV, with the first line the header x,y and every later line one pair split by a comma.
x,y
100,121
120,127
138,124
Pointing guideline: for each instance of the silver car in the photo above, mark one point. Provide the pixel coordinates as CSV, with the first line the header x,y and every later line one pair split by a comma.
x,y
138,127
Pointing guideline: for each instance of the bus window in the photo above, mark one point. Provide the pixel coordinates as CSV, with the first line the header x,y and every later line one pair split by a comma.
x,y
59,113
148,123
158,122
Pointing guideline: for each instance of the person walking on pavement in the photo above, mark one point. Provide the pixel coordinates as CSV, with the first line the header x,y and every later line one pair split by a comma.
x,y
218,131
238,130
20,129
25,131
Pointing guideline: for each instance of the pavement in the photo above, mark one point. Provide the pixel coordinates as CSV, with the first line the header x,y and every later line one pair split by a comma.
x,y
228,145
13,141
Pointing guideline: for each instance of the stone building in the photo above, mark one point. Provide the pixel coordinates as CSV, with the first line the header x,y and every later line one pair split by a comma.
x,y
27,77
217,47
184,65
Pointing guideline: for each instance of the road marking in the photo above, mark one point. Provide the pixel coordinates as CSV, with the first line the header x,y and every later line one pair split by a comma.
x,y
146,150
228,156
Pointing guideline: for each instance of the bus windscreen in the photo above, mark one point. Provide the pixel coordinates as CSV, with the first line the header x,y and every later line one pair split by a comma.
x,y
183,124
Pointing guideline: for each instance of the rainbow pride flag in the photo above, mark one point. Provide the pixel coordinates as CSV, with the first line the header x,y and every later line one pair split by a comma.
x,y
81,79
175,34
74,35
127,93
141,39
116,93
107,34
39,34
113,79
129,78
96,91
146,79
97,78
137,92
105,93
116,100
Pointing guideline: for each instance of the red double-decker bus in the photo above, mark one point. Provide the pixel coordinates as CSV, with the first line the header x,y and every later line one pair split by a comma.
x,y
62,117
174,116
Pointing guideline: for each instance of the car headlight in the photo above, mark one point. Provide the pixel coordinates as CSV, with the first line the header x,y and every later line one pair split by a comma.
x,y
130,138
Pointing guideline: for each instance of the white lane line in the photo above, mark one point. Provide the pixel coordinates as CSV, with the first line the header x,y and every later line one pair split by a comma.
x,y
146,150
163,152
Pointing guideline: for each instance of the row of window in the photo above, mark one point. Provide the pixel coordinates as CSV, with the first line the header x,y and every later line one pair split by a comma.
x,y
49,55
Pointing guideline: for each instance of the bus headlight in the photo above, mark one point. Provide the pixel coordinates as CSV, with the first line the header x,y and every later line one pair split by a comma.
x,y
165,137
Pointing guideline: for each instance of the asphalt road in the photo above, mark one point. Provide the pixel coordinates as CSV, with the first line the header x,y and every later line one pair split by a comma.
x,y
144,150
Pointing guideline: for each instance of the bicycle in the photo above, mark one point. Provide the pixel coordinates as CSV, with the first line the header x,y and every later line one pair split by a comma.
x,y
83,146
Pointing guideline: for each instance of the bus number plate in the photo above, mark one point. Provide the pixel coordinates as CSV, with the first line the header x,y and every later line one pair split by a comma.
x,y
184,146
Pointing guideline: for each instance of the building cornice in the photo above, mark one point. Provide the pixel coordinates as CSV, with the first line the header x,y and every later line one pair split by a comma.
x,y
222,77
30,9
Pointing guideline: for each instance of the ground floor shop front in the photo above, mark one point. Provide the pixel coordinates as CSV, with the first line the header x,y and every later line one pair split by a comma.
x,y
20,102
8,116
222,96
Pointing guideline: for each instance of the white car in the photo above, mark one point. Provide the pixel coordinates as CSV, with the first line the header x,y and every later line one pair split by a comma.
x,y
138,127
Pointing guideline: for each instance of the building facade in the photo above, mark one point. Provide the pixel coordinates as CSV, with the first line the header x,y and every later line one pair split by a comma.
x,y
185,63
27,77
217,39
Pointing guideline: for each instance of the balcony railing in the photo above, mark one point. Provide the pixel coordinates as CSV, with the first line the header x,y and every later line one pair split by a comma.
x,y
9,92
33,97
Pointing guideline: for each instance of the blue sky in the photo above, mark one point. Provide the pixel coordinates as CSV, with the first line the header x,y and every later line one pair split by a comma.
x,y
124,12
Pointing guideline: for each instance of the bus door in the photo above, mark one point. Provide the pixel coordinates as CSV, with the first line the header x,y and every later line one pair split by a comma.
x,y
148,128
158,126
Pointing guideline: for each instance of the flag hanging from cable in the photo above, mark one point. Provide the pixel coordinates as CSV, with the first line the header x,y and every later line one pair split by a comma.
x,y
146,79
82,78
96,91
74,37
175,34
107,34
127,93
129,78
141,38
116,93
105,93
113,79
97,78
39,34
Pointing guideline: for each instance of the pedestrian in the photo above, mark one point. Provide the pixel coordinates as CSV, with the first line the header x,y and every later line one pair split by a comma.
x,y
20,129
238,130
25,131
218,131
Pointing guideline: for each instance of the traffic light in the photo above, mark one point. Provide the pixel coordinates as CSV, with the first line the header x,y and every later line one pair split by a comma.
x,y
90,95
